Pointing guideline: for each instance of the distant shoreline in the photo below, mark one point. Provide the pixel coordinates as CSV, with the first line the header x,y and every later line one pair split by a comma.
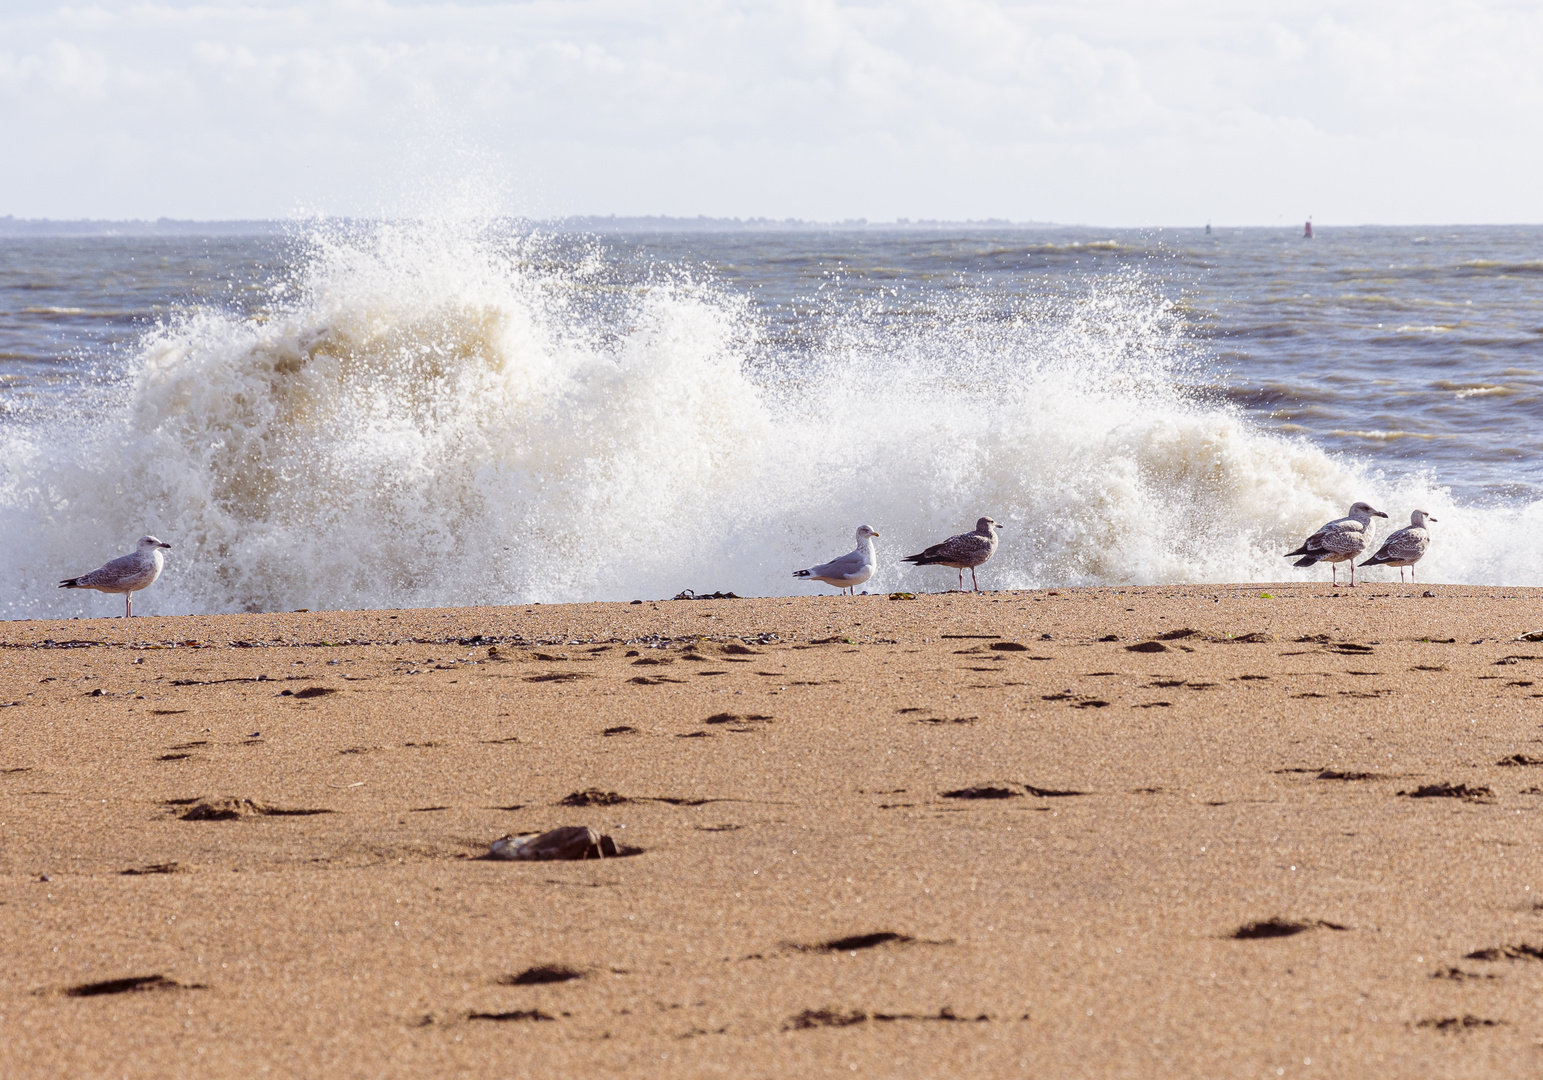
x,y
170,227
13,226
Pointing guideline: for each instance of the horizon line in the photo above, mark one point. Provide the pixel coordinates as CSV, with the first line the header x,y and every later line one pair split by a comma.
x,y
11,225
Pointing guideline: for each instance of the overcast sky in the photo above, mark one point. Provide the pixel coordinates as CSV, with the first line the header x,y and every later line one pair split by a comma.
x,y
1111,112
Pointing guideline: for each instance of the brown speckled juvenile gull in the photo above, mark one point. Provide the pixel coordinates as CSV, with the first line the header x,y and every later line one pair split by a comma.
x,y
967,550
1341,540
1405,547
126,574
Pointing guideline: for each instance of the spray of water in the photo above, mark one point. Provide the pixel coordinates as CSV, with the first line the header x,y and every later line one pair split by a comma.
x,y
461,414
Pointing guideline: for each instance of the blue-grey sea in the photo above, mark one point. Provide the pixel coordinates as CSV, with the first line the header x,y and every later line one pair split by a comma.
x,y
341,415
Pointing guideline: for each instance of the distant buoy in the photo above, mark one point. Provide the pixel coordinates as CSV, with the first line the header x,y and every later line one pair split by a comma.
x,y
1307,230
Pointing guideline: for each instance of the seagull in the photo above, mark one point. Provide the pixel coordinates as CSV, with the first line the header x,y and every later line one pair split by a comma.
x,y
1405,547
1340,540
969,549
849,571
126,574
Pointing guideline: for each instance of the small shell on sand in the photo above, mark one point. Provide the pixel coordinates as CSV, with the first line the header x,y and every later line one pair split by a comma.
x,y
571,842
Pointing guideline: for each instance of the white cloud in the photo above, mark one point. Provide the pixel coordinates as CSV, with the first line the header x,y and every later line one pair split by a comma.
x,y
1115,111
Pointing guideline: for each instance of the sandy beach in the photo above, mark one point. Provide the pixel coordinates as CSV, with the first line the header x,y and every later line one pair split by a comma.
x,y
1210,831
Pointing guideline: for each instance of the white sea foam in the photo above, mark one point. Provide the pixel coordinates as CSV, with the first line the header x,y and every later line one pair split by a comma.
x,y
438,415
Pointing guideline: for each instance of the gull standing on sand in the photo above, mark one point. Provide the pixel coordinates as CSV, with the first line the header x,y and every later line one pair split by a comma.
x,y
849,571
965,551
1405,547
1340,540
126,574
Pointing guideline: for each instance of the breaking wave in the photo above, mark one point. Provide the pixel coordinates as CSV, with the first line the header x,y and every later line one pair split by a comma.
x,y
453,415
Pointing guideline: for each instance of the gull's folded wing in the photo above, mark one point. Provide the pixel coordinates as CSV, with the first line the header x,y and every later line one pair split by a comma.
x,y
846,565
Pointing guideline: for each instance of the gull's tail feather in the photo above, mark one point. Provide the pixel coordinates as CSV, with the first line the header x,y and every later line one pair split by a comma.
x,y
70,583
800,573
1311,560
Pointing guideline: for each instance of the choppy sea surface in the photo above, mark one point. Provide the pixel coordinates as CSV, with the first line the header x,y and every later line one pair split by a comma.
x,y
429,413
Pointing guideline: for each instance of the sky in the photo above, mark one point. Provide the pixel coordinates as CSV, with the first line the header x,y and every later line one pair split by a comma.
x,y
1104,112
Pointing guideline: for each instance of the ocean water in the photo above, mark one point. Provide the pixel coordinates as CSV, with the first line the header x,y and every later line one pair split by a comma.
x,y
475,412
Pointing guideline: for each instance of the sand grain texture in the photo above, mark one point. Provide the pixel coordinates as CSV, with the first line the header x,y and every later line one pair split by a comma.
x,y
1193,862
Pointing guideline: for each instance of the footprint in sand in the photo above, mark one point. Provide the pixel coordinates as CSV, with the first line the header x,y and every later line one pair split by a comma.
x,y
824,1018
134,984
593,797
1000,791
543,975
859,941
1459,975
308,692
1466,1022
1507,952
517,1014
1451,791
983,792
230,809
739,723
1278,928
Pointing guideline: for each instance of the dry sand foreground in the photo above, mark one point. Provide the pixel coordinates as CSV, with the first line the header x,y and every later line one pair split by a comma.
x,y
1082,923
